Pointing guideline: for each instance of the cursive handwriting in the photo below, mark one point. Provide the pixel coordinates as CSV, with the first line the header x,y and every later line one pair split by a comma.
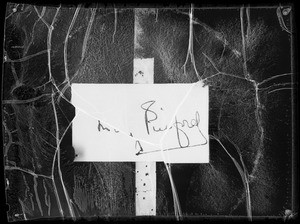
x,y
138,144
180,126
182,137
145,106
101,127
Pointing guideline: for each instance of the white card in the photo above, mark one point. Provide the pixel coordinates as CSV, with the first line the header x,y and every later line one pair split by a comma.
x,y
144,122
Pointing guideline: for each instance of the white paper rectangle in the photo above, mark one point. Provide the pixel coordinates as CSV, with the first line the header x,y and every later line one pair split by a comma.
x,y
145,122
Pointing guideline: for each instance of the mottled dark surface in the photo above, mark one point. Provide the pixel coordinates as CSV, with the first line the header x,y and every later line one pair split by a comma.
x,y
48,48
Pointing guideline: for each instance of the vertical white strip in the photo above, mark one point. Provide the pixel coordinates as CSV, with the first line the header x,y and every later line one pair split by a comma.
x,y
145,179
145,172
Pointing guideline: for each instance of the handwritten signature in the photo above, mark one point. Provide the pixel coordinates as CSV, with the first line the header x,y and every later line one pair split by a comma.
x,y
150,116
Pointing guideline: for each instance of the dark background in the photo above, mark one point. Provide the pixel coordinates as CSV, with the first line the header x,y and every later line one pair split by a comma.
x,y
33,109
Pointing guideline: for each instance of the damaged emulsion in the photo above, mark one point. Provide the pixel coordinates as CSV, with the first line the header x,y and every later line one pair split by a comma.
x,y
218,188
